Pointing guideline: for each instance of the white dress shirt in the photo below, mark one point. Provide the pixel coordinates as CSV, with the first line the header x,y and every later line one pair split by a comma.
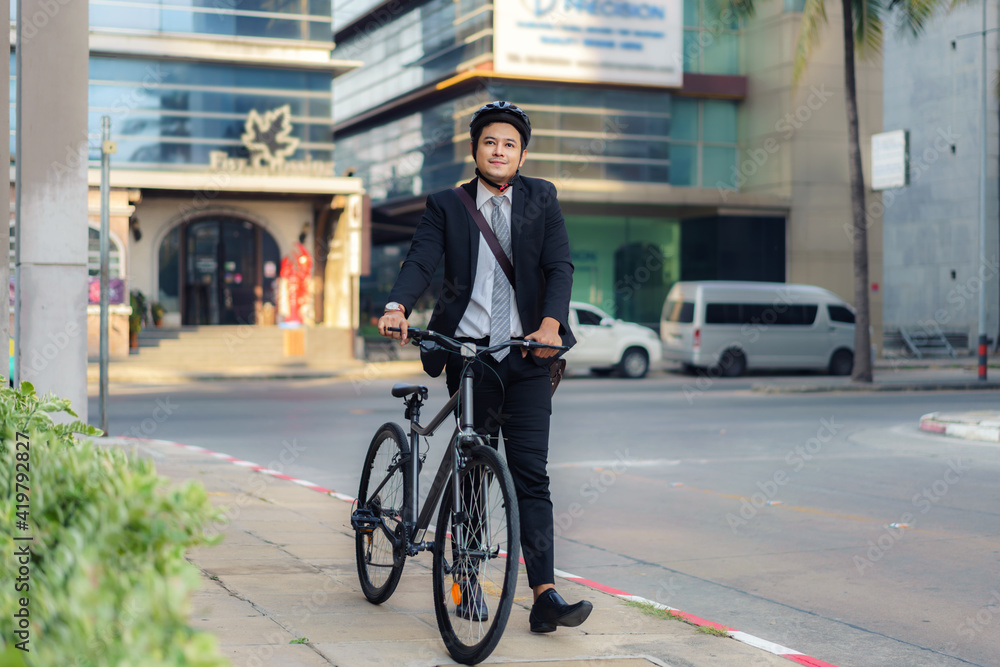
x,y
476,320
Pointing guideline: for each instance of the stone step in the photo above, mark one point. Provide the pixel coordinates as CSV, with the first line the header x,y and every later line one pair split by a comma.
x,y
211,334
236,346
214,359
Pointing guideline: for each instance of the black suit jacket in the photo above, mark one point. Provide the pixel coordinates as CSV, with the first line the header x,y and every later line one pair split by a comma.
x,y
543,272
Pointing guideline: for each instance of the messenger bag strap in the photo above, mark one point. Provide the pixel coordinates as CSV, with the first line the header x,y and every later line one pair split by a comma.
x,y
491,238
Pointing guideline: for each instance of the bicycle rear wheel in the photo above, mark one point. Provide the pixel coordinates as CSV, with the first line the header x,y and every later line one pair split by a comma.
x,y
384,488
476,547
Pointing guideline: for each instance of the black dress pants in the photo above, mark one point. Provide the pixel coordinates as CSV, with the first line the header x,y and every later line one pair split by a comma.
x,y
513,399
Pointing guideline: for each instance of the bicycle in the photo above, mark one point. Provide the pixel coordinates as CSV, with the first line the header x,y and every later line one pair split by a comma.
x,y
477,537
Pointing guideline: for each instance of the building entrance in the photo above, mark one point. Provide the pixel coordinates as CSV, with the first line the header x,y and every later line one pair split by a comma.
x,y
218,271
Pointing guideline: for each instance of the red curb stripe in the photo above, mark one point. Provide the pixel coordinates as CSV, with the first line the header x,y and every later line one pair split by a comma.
x,y
597,586
933,427
314,487
697,620
809,662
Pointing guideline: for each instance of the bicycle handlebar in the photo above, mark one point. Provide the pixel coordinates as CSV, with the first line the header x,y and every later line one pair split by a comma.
x,y
426,334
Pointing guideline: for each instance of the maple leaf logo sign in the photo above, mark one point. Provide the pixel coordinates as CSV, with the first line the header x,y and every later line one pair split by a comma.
x,y
267,137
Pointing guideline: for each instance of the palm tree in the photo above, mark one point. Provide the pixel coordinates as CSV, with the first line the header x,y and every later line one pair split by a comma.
x,y
862,30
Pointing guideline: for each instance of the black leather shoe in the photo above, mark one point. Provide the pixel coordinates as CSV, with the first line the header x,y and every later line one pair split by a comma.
x,y
473,606
550,611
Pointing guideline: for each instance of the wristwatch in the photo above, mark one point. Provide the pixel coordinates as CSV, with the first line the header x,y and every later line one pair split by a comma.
x,y
392,305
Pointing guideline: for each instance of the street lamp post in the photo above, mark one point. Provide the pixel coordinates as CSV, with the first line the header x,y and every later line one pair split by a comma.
x,y
982,342
107,148
982,206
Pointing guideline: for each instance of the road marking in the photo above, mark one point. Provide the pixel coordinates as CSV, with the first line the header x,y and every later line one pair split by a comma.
x,y
611,463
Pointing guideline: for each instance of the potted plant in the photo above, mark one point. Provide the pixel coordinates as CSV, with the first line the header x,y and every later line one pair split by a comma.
x,y
156,311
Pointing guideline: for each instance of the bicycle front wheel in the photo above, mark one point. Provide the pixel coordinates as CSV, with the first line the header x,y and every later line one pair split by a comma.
x,y
384,488
476,547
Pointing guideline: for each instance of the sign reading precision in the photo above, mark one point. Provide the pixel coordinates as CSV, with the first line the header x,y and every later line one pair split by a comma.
x,y
593,41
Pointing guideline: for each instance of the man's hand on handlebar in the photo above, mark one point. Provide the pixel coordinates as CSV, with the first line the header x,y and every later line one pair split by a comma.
x,y
548,334
397,320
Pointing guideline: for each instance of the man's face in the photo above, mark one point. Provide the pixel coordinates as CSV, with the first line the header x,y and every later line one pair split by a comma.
x,y
499,154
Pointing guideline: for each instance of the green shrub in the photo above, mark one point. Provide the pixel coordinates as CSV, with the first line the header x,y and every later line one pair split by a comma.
x,y
108,582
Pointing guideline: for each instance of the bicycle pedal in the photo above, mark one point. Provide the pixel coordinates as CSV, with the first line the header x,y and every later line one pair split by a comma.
x,y
364,521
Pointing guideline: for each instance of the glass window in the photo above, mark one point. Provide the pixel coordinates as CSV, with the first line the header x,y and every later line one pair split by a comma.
x,y
783,314
220,17
169,278
719,163
759,313
692,51
607,256
630,173
200,107
135,18
720,53
710,38
422,43
684,165
580,122
723,313
692,14
720,122
681,312
840,314
94,254
803,314
588,317
684,120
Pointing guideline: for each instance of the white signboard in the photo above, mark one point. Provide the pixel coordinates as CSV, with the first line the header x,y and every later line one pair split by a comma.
x,y
611,41
890,160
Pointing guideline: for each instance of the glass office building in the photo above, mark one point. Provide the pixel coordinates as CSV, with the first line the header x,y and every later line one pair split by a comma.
x,y
639,168
221,113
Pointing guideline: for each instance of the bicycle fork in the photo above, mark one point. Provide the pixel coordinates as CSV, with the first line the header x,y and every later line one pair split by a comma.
x,y
466,432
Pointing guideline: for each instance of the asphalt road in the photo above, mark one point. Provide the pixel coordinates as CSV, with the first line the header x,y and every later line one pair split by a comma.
x,y
824,522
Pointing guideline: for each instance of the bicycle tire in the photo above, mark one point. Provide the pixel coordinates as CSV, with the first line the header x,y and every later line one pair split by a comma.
x,y
480,558
379,565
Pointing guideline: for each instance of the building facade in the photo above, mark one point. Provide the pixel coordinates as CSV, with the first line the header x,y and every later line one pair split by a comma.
x,y
681,152
221,116
933,272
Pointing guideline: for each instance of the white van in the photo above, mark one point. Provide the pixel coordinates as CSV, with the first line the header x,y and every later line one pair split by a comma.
x,y
732,326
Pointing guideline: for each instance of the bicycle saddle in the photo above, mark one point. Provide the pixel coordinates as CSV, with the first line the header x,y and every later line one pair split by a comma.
x,y
401,390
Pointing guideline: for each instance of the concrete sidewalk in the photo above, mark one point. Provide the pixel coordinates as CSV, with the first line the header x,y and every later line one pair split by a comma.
x,y
282,589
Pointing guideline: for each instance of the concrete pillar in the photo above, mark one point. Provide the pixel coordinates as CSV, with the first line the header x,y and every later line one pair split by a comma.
x,y
5,268
51,198
343,267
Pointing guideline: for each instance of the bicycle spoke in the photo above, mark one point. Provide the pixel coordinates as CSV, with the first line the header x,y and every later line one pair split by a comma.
x,y
474,593
384,487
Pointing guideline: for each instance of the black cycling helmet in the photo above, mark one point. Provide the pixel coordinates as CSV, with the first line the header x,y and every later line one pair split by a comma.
x,y
500,112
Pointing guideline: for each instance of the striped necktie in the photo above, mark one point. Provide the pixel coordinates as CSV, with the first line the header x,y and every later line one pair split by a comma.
x,y
500,309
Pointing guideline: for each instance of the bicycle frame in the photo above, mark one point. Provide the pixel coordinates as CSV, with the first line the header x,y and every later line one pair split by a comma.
x,y
449,462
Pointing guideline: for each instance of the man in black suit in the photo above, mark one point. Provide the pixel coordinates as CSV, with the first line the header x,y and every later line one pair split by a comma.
x,y
479,304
